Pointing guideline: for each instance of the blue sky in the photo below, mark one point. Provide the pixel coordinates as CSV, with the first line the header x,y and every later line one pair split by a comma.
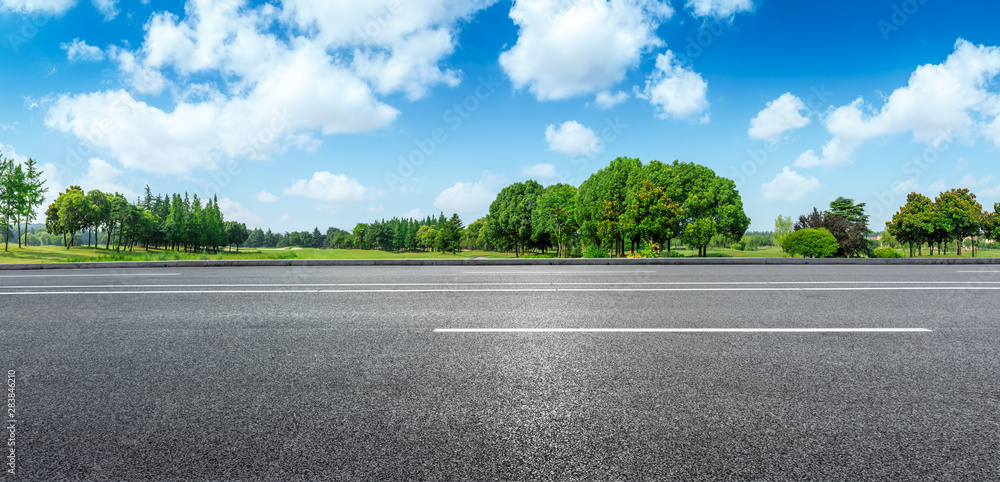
x,y
308,113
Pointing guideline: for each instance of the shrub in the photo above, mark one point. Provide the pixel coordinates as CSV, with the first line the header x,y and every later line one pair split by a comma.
x,y
885,253
811,242
595,252
645,253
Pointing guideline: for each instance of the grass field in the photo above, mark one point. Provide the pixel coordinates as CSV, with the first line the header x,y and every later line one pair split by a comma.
x,y
58,254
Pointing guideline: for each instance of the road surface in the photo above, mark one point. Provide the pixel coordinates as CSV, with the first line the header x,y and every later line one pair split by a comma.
x,y
522,372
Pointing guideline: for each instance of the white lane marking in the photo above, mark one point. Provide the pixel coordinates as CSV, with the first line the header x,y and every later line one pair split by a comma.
x,y
988,272
105,275
554,272
625,283
511,290
682,330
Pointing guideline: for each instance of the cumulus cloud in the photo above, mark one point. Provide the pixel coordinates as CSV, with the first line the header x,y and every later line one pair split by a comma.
x,y
789,185
331,188
971,181
53,7
79,50
940,102
718,8
108,8
540,171
675,90
469,199
234,211
607,100
260,91
103,176
780,116
906,186
574,47
573,139
266,197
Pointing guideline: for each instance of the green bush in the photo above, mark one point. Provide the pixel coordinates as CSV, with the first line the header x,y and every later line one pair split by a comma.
x,y
885,253
595,252
810,242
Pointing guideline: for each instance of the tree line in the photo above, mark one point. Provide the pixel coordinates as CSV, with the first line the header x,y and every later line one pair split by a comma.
x,y
625,206
169,222
22,190
953,215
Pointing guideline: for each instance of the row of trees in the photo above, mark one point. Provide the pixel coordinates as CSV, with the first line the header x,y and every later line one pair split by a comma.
x,y
22,190
625,205
953,215
170,222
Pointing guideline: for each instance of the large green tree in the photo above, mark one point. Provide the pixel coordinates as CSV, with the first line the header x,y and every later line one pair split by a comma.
x,y
651,215
961,214
554,215
510,217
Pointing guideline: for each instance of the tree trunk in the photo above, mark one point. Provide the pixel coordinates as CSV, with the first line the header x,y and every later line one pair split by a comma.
x,y
959,252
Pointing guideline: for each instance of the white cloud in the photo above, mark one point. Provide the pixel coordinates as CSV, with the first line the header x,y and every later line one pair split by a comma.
x,y
573,139
780,116
572,47
79,50
9,153
469,199
938,186
789,185
399,44
718,8
331,188
375,209
906,186
54,7
262,90
234,211
675,90
540,171
607,100
266,197
103,176
970,181
108,8
414,213
991,191
940,102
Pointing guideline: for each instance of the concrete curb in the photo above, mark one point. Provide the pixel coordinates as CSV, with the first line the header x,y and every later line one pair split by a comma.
x,y
506,262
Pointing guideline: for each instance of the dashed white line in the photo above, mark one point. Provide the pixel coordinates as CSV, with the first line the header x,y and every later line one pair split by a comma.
x,y
104,275
682,330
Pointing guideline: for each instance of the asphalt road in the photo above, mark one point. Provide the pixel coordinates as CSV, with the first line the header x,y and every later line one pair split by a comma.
x,y
345,373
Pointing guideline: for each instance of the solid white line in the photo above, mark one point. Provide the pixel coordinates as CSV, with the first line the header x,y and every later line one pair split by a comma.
x,y
681,330
511,290
554,272
626,283
105,275
991,272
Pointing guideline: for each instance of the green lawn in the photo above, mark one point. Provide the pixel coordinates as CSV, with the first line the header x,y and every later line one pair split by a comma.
x,y
58,254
